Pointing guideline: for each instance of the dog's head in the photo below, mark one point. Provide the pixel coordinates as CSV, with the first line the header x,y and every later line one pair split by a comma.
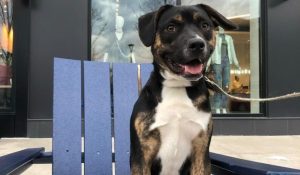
x,y
182,37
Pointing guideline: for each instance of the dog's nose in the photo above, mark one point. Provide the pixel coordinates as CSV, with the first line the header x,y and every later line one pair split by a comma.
x,y
196,45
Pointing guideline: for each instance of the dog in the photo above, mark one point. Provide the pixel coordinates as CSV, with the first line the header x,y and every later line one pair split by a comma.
x,y
171,125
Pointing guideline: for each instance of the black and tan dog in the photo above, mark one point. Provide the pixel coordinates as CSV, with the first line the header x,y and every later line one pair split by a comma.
x,y
171,123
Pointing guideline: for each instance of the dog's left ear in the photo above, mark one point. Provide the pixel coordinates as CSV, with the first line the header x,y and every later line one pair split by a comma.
x,y
217,18
148,23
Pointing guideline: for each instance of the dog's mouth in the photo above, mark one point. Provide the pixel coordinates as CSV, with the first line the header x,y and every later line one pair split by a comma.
x,y
191,70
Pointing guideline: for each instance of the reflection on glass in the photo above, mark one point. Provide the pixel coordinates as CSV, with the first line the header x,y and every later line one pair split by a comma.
x,y
6,54
114,27
234,64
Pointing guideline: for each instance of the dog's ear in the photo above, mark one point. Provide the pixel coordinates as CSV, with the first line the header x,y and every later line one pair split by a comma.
x,y
217,18
147,25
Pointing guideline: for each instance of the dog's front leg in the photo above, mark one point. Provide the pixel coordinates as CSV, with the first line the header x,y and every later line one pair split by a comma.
x,y
137,162
142,159
137,169
200,160
144,145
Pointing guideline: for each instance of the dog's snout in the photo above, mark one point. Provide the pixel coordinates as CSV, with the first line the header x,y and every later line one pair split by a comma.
x,y
196,45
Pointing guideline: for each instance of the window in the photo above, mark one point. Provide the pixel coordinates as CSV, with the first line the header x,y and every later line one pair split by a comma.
x,y
234,64
6,55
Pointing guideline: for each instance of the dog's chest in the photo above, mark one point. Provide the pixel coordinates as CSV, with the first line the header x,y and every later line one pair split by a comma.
x,y
178,122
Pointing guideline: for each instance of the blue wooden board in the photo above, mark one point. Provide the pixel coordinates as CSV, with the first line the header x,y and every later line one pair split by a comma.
x,y
125,89
146,70
67,95
97,140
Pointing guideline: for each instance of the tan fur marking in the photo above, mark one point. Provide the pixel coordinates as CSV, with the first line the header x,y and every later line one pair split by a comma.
x,y
195,16
200,159
150,148
149,144
178,18
135,170
212,41
157,42
139,124
199,100
158,46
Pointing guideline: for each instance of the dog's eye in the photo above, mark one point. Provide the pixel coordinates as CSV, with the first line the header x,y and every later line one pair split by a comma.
x,y
171,28
205,26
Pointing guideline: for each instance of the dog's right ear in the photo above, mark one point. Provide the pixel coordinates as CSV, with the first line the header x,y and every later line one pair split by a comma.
x,y
147,25
217,18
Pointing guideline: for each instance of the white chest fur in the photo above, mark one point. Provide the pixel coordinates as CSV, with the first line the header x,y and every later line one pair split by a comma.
x,y
179,122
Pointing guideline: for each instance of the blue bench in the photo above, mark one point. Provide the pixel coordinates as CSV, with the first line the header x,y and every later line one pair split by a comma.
x,y
105,102
92,104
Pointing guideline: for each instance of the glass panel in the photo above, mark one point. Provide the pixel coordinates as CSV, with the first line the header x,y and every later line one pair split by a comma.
x,y
6,55
234,64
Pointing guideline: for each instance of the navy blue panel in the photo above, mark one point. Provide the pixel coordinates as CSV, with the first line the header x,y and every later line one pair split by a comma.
x,y
97,140
146,70
125,94
11,162
283,173
67,117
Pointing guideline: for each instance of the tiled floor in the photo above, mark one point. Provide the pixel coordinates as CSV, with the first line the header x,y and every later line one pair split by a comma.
x,y
277,150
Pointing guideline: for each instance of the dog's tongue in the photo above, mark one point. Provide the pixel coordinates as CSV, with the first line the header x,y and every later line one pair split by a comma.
x,y
193,69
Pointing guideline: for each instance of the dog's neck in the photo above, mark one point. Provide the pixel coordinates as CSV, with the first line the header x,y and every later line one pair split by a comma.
x,y
169,79
173,80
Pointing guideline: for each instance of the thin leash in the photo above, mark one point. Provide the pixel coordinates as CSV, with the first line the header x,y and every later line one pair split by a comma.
x,y
291,95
